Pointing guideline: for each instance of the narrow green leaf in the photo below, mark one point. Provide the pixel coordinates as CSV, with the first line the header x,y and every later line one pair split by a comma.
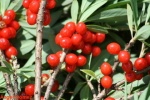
x,y
74,10
4,6
146,94
7,65
135,96
89,72
143,33
97,28
148,14
15,5
85,93
118,4
85,4
5,70
147,44
142,14
130,18
92,8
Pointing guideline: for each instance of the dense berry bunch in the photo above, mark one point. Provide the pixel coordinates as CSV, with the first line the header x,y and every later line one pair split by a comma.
x,y
32,7
8,28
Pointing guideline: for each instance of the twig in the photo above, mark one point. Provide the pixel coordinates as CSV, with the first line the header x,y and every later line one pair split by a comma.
x,y
51,81
38,53
64,87
6,76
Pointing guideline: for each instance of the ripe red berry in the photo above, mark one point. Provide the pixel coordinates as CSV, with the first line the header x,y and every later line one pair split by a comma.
x,y
71,59
12,32
10,13
100,37
81,28
109,98
147,57
93,39
11,51
66,43
70,68
87,37
130,77
34,6
55,86
47,18
53,60
81,60
96,51
113,48
31,19
124,56
29,89
106,68
106,82
7,19
28,12
44,78
65,32
42,98
81,45
50,4
59,53
87,49
138,76
127,67
70,26
58,38
76,39
15,25
4,44
26,3
5,33
140,63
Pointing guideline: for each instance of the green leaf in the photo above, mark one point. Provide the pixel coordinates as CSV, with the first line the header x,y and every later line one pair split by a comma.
x,y
147,44
118,4
148,14
92,8
143,33
97,28
6,70
135,96
130,18
77,89
15,5
85,4
8,65
74,10
4,5
85,93
89,72
146,94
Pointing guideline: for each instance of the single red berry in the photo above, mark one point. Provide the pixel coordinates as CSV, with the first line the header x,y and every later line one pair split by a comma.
x,y
47,18
4,43
28,12
11,51
26,3
87,49
113,48
93,39
96,51
70,68
1,18
106,82
59,53
12,32
14,24
87,37
10,13
29,89
65,32
44,78
42,98
24,96
81,45
106,68
53,60
109,98
31,19
58,38
138,76
127,67
81,28
124,56
7,19
147,57
50,4
140,63
70,26
100,37
71,59
55,86
5,33
76,39
130,77
34,6
81,60
66,43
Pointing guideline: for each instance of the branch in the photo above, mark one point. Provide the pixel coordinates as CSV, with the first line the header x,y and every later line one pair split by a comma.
x,y
51,81
64,87
38,53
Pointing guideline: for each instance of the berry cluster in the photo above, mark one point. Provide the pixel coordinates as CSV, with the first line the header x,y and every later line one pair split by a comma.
x,y
32,7
8,28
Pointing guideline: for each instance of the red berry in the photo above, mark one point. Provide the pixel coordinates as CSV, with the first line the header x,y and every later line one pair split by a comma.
x,y
100,37
34,6
147,57
96,51
124,56
130,77
109,98
138,76
15,25
31,19
42,98
70,26
44,78
5,33
76,39
47,18
53,60
87,49
65,32
140,63
0,18
71,59
66,43
12,32
106,68
58,38
127,67
28,12
55,86
87,37
7,19
81,28
106,82
113,48
26,3
59,53
50,4
29,89
93,39
11,51
4,44
10,13
81,60
80,45
70,68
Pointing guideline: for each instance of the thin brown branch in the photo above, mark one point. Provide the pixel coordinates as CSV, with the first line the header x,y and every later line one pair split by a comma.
x,y
38,53
64,87
51,81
